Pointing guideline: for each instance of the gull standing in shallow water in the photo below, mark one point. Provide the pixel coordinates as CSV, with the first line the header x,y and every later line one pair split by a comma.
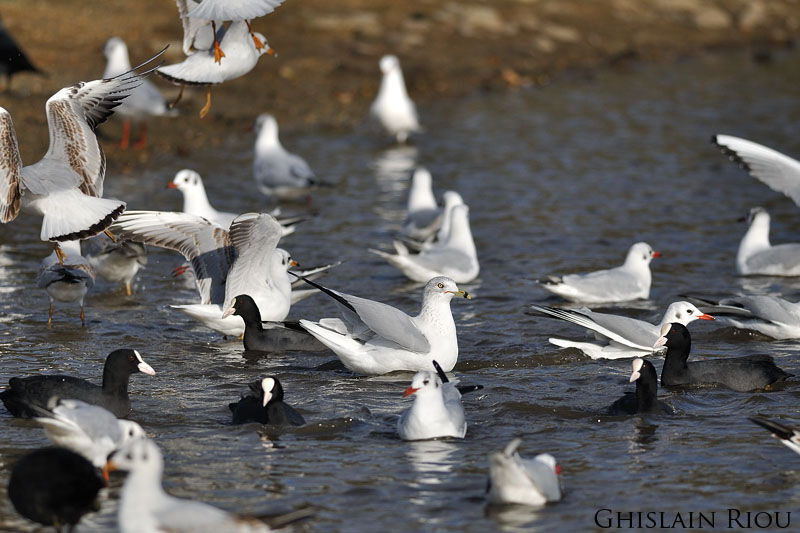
x,y
514,480
66,185
66,281
392,107
630,281
756,256
623,336
375,338
117,262
277,172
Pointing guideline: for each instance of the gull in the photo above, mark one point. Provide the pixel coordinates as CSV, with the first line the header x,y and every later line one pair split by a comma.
x,y
375,338
789,436
67,280
90,430
117,262
12,58
199,68
277,172
450,199
455,258
779,172
514,480
630,281
66,185
226,263
622,336
769,315
437,410
423,216
146,507
144,101
392,107
756,256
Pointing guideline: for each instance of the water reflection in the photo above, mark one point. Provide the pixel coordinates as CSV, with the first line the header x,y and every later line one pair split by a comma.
x,y
430,459
392,173
515,517
643,437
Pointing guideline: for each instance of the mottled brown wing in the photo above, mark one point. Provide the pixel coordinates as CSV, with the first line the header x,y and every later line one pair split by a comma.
x,y
10,169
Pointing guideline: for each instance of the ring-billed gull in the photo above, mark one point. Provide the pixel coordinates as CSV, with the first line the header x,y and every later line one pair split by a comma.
x,y
630,281
145,506
90,430
450,199
645,398
789,436
514,480
23,394
623,336
756,256
455,257
12,58
265,405
144,101
54,487
375,338
392,107
66,281
277,172
269,336
742,374
115,261
769,315
66,185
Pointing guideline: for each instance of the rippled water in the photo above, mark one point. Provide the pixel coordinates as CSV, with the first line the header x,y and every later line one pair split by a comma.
x,y
559,179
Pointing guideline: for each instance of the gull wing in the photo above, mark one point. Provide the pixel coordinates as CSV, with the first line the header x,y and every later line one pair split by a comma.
x,y
205,245
197,32
10,169
93,420
233,9
255,236
627,331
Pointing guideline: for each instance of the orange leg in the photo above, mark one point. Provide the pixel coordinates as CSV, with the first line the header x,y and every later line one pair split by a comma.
x,y
218,53
50,316
83,318
207,107
128,288
60,254
256,40
126,134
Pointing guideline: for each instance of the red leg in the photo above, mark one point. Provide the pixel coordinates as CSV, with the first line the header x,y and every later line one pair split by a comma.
x,y
142,142
126,134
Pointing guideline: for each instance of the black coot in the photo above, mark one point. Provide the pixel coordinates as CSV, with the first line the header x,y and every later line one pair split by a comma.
x,y
645,398
277,336
265,405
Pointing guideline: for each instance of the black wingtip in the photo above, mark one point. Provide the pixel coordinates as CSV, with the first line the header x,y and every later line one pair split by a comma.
x,y
779,430
730,153
326,291
441,373
465,389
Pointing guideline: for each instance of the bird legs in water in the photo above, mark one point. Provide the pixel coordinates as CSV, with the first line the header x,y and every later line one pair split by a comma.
x,y
128,288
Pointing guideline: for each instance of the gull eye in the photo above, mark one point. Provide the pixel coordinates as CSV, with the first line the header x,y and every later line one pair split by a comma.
x,y
129,457
425,382
689,311
440,285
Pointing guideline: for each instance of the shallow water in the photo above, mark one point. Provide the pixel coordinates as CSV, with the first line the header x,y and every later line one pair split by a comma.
x,y
559,179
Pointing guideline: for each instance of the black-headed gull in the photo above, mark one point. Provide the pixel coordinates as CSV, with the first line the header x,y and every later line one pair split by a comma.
x,y
144,101
455,257
423,216
645,398
54,487
242,260
144,506
12,58
375,338
630,281
779,172
115,261
514,480
742,374
265,405
756,256
769,315
24,395
90,430
392,107
436,412
278,173
622,336
200,68
789,436
66,280
66,185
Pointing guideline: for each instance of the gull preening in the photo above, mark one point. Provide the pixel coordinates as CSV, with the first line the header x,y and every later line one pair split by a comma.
x,y
789,436
66,279
769,315
375,338
278,173
423,216
66,185
392,107
436,412
144,101
115,261
622,336
514,480
455,257
756,256
630,281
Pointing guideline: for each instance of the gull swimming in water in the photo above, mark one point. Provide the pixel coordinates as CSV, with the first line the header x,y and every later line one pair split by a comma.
x,y
423,216
756,256
144,101
630,281
514,480
66,281
66,185
374,338
623,336
277,172
392,107
769,315
455,257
